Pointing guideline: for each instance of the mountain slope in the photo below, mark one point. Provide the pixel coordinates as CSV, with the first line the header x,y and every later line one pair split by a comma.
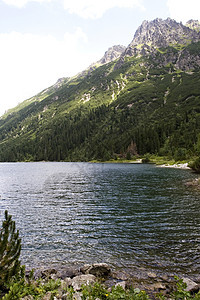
x,y
135,100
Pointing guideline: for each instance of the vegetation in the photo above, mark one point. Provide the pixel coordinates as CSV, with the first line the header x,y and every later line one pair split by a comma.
x,y
195,165
38,289
10,247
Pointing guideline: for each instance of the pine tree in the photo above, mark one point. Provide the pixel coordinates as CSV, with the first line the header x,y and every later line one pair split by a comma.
x,y
10,247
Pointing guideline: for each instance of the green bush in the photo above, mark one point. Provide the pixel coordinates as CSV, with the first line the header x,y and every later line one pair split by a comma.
x,y
10,247
98,291
146,159
180,154
195,165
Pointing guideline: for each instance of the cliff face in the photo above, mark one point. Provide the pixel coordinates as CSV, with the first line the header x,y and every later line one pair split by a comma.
x,y
162,33
152,37
112,54
193,24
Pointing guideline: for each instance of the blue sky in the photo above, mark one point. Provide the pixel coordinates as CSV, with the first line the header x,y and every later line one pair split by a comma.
x,y
43,40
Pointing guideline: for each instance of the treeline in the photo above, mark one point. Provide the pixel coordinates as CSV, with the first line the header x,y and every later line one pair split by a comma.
x,y
105,133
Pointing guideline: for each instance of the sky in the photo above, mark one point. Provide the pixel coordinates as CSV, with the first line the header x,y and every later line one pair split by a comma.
x,y
44,40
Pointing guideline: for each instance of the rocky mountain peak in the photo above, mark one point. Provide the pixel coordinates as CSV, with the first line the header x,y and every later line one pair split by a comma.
x,y
152,35
111,54
162,33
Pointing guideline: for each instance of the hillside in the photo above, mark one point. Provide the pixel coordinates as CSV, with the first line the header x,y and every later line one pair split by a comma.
x,y
144,98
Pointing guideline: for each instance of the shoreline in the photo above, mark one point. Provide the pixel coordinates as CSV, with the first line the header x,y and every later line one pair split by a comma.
x,y
151,282
176,166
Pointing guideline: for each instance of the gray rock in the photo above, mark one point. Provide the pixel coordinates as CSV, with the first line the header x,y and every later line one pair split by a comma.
x,y
111,54
63,284
191,285
122,284
158,286
197,280
85,268
77,296
48,296
46,273
54,276
152,35
99,270
120,275
164,277
193,24
78,281
68,272
162,33
151,275
68,281
110,283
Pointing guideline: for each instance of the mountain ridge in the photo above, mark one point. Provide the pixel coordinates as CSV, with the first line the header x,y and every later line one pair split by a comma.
x,y
137,97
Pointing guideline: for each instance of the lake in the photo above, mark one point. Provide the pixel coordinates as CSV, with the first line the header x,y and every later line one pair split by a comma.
x,y
127,215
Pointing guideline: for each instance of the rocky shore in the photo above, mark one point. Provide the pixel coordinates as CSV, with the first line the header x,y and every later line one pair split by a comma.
x,y
176,166
152,283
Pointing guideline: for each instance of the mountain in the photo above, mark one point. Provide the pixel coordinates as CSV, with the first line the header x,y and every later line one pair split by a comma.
x,y
144,98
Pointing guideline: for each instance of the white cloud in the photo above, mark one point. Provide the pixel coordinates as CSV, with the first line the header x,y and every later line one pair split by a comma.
x,y
22,3
29,63
88,9
92,9
184,10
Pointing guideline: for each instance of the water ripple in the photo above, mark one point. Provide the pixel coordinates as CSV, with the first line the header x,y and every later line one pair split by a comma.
x,y
124,214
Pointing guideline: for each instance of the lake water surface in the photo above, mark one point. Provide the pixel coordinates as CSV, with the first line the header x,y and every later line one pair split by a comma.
x,y
128,215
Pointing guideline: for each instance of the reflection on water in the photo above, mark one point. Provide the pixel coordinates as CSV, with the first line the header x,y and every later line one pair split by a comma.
x,y
124,214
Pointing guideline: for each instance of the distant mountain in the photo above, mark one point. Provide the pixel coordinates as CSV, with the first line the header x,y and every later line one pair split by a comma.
x,y
144,98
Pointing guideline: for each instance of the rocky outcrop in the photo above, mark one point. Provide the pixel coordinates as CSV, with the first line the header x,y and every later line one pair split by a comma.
x,y
80,280
112,54
191,285
170,36
162,33
99,270
149,281
193,24
187,61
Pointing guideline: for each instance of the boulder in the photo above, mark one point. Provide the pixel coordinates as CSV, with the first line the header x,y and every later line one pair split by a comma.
x,y
99,270
68,272
46,273
191,285
78,281
121,275
152,275
68,281
122,284
158,286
